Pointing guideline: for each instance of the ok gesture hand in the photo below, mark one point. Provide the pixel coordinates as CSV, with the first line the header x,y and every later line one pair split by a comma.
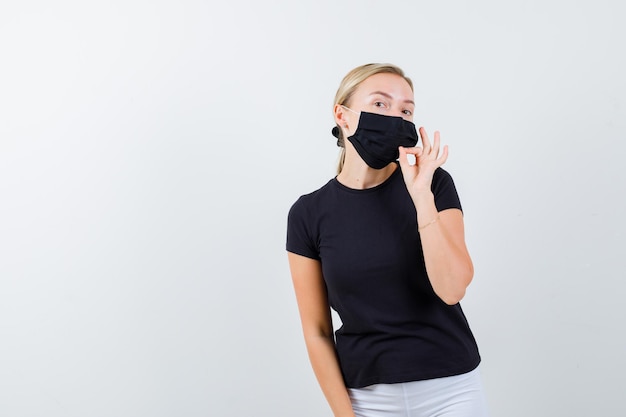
x,y
418,177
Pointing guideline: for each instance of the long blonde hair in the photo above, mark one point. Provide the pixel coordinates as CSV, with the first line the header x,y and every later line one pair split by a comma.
x,y
347,87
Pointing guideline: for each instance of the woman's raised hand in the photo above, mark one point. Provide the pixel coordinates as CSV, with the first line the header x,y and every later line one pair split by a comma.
x,y
419,176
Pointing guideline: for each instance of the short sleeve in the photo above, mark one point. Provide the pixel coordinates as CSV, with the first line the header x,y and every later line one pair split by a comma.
x,y
446,196
300,238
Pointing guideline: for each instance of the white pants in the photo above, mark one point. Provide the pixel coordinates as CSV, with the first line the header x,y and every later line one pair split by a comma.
x,y
453,396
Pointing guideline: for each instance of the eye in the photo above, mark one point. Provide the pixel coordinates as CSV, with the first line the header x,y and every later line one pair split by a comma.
x,y
380,104
407,112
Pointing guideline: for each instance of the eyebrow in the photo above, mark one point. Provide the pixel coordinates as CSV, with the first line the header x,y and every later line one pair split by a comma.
x,y
382,93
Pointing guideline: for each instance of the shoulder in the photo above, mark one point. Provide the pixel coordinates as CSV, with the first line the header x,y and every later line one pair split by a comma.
x,y
444,190
442,175
442,179
303,221
309,202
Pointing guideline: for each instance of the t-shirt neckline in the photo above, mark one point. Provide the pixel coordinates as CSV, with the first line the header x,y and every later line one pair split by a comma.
x,y
383,184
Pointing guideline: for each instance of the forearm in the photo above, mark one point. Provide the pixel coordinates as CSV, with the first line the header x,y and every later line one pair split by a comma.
x,y
448,263
325,364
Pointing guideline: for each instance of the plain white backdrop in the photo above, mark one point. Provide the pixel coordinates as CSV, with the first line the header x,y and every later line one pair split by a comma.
x,y
150,152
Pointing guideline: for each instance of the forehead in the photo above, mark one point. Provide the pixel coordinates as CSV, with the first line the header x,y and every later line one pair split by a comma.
x,y
391,84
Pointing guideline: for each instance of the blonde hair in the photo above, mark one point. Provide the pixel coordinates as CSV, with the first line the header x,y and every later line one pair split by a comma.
x,y
348,86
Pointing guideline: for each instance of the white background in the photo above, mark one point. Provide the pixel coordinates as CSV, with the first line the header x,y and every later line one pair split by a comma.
x,y
150,151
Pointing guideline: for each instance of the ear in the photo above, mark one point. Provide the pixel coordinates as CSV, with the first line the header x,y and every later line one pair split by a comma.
x,y
340,116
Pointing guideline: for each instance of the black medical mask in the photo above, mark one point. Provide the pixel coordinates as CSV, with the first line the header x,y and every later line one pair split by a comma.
x,y
378,137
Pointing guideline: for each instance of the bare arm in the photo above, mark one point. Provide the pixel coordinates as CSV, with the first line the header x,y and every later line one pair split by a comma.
x,y
317,328
448,262
447,259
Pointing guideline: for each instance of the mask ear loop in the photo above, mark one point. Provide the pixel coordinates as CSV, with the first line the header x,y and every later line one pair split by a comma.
x,y
345,126
348,108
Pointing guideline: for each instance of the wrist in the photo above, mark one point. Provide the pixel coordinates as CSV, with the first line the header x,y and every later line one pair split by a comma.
x,y
433,221
422,196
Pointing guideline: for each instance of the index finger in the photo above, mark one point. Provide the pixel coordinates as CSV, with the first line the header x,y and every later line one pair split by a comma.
x,y
424,135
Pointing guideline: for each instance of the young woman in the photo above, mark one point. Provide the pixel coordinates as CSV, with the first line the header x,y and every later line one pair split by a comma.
x,y
383,244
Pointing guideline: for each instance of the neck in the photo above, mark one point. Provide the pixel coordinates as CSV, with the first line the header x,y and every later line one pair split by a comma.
x,y
358,175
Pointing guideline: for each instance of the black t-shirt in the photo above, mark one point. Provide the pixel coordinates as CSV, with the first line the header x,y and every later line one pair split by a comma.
x,y
394,327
